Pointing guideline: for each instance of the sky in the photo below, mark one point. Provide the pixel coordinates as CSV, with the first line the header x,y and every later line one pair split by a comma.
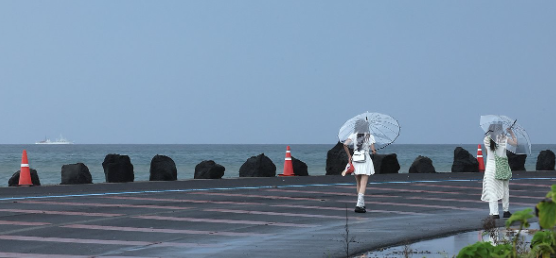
x,y
272,72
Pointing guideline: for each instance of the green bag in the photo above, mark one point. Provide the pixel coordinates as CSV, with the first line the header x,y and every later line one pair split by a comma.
x,y
503,171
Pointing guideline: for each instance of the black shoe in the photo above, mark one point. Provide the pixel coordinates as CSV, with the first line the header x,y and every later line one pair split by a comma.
x,y
360,209
507,214
495,216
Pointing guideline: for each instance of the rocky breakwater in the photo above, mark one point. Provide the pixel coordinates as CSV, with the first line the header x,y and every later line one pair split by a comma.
x,y
422,164
163,168
464,161
299,167
118,169
14,179
546,160
76,174
258,166
517,161
262,166
209,169
336,160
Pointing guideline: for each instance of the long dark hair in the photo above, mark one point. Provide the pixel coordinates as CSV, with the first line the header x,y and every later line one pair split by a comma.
x,y
361,129
360,141
493,144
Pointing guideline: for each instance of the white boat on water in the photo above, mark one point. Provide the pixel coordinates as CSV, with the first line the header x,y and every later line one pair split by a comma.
x,y
60,140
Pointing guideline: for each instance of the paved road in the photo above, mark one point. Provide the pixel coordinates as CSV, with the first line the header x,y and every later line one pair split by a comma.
x,y
248,217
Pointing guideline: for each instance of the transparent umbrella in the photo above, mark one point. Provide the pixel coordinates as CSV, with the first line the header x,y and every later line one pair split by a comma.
x,y
384,128
523,143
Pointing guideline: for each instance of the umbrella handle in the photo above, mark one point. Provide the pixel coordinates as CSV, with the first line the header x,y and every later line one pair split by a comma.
x,y
512,126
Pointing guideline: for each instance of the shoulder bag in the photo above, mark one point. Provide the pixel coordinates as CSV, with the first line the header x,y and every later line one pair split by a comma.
x,y
503,171
358,156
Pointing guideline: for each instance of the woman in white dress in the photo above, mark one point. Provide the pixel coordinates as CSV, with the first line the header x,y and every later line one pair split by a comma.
x,y
362,142
493,189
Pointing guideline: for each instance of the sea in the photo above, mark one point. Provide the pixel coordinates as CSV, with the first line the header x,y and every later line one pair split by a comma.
x,y
49,159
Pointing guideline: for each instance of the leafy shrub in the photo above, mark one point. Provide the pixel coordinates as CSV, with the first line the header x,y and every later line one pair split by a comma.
x,y
485,250
543,243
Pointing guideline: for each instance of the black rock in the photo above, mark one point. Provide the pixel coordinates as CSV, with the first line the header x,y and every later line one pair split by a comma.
x,y
163,168
14,180
118,168
76,174
517,161
422,164
208,169
336,160
546,160
386,163
258,166
464,161
299,167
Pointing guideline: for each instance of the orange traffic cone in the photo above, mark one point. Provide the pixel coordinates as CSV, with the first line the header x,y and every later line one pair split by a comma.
x,y
480,159
288,165
25,173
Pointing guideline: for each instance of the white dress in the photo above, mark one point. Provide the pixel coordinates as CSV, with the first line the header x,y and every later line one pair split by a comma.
x,y
367,167
493,189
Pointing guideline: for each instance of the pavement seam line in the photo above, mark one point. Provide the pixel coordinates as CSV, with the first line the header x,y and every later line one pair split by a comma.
x,y
248,188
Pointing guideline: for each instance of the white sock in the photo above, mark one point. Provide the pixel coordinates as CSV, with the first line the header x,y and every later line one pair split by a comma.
x,y
360,200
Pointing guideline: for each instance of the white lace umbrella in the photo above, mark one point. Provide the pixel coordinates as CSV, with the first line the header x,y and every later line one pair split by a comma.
x,y
384,128
523,143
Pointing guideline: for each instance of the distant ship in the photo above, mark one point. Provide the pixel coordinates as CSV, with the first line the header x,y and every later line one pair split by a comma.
x,y
60,140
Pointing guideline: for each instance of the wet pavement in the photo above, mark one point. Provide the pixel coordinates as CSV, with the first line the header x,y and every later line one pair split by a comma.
x,y
247,217
451,245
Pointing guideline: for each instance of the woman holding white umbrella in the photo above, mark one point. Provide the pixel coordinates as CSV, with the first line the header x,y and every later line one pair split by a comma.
x,y
362,141
494,187
497,170
359,134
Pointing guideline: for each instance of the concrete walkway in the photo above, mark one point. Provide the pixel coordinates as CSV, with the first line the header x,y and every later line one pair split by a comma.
x,y
247,217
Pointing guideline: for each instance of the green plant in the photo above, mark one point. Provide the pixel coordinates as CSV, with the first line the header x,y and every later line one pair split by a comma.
x,y
547,210
486,250
523,218
506,249
543,243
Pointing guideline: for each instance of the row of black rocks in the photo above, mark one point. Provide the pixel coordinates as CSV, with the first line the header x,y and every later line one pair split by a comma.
x,y
118,168
463,162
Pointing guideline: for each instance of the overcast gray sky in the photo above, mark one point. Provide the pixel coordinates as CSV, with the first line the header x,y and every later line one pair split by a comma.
x,y
272,71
